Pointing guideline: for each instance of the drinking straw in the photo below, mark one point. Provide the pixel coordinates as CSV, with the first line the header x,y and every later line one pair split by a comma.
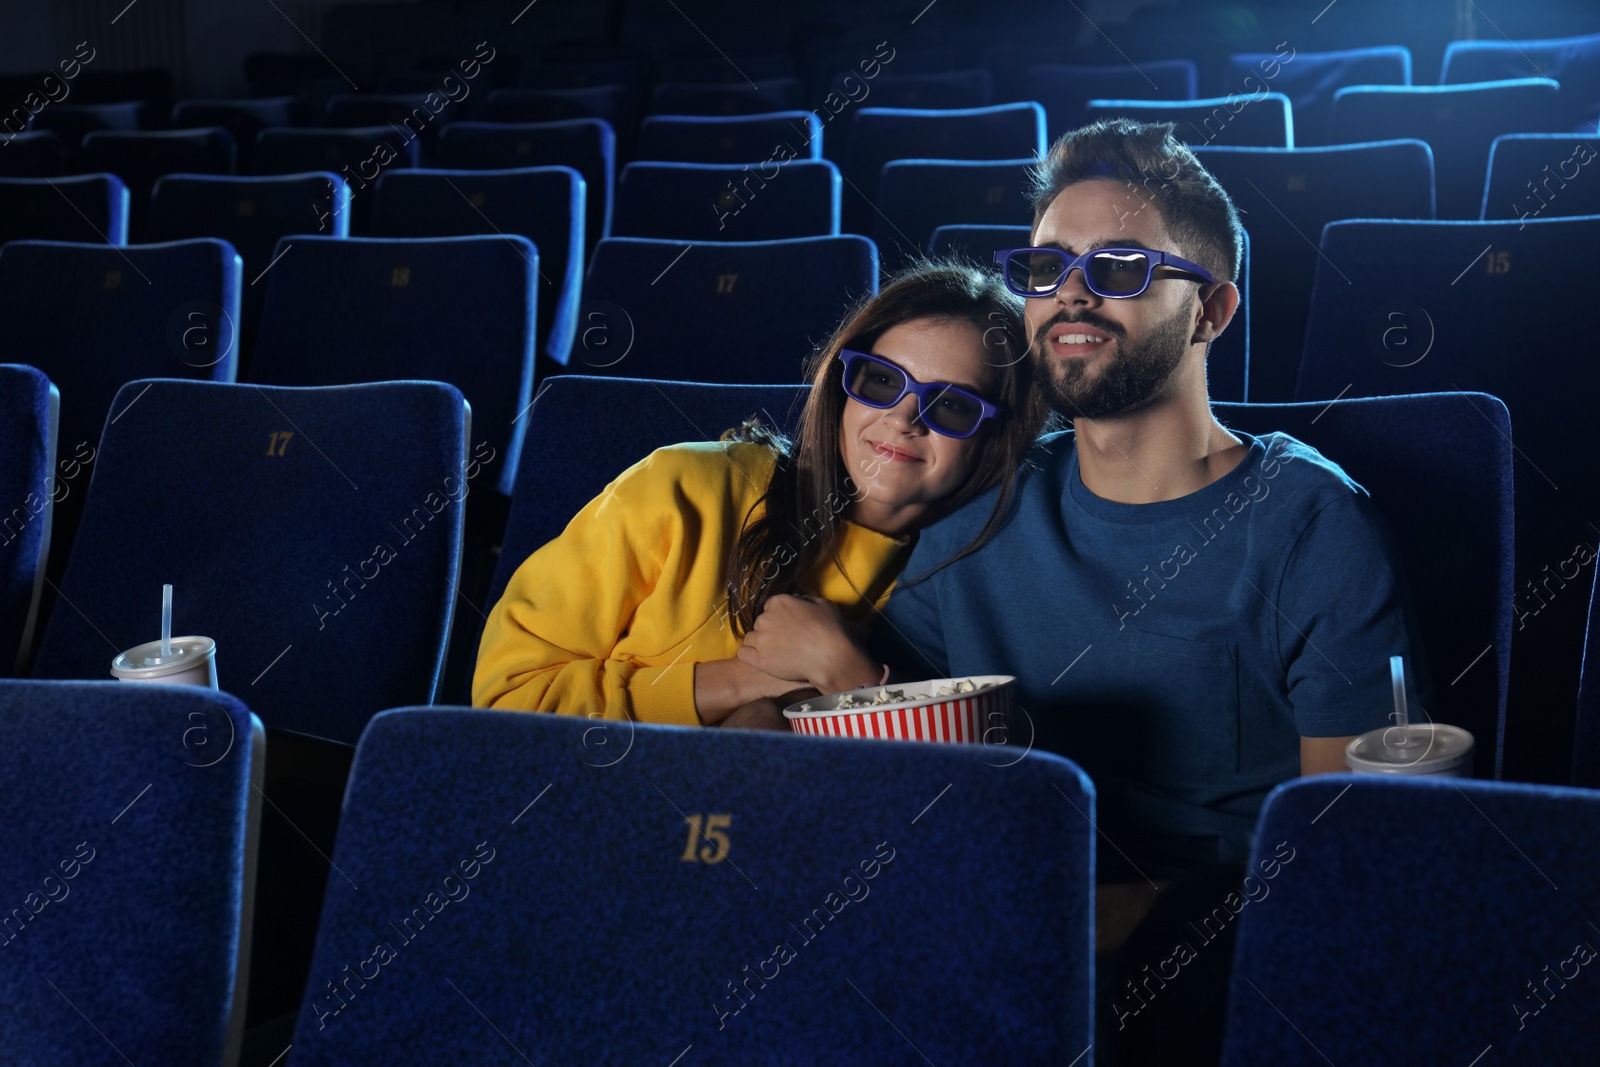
x,y
166,621
1397,677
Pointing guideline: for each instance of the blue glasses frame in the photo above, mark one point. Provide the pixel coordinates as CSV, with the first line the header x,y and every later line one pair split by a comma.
x,y
923,391
1084,263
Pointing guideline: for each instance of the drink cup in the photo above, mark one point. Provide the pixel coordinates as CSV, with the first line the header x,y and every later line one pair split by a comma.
x,y
192,661
1432,749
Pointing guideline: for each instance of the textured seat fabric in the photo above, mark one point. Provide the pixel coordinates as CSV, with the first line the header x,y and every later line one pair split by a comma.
x,y
1572,61
946,862
29,413
129,872
1492,877
83,207
753,201
739,311
1439,468
739,98
1586,740
742,139
321,563
876,135
543,204
575,416
1542,175
1458,121
358,156
141,158
253,214
452,309
1285,197
93,317
586,145
1066,89
1259,119
1309,80
1412,318
35,154
917,196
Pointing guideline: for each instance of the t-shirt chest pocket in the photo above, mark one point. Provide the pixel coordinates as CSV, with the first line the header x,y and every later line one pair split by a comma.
x,y
1183,707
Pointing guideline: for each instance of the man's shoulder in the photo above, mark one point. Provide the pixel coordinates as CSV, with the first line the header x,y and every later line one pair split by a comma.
x,y
1301,469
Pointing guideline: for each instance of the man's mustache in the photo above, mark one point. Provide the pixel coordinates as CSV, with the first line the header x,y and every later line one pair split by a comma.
x,y
1085,318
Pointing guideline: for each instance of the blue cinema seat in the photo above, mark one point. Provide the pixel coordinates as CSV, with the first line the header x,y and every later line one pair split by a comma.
x,y
143,157
359,156
588,146
33,154
1309,79
736,311
1418,313
244,118
1458,121
1066,89
951,909
730,138
1572,61
543,204
1254,119
1285,197
82,207
1586,740
917,196
615,104
754,201
717,98
30,411
1353,874
129,876
874,135
1542,175
453,309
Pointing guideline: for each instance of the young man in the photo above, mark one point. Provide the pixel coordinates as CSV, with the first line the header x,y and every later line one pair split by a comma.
x,y
1194,615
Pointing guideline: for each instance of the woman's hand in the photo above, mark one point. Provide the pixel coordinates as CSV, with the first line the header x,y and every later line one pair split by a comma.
x,y
722,686
806,639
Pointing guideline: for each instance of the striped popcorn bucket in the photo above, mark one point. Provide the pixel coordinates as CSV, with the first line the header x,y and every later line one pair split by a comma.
x,y
913,712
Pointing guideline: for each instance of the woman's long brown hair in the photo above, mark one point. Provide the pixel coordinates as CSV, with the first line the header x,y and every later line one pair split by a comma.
x,y
810,488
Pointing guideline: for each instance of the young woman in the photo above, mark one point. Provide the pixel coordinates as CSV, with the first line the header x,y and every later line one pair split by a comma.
x,y
665,598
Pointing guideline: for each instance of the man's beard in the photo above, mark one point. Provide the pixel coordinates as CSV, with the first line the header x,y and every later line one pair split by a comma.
x,y
1128,380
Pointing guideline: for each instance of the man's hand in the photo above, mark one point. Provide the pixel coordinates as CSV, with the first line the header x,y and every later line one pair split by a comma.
x,y
806,639
723,686
1323,755
767,713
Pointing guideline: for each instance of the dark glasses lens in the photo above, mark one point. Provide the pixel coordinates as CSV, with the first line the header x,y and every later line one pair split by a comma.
x,y
874,383
947,409
952,410
1035,272
1118,273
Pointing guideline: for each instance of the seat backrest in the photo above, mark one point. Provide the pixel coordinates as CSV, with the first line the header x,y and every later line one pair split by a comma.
x,y
1542,175
32,154
576,445
1572,61
716,98
1411,318
588,146
1260,119
1458,121
1285,196
82,207
697,821
1309,80
754,201
729,138
1438,466
976,244
93,317
30,410
321,565
1066,89
612,103
1494,877
160,826
543,204
1586,739
917,196
451,309
142,158
253,214
873,136
734,311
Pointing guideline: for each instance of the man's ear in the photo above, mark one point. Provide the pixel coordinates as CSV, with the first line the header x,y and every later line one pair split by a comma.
x,y
1218,302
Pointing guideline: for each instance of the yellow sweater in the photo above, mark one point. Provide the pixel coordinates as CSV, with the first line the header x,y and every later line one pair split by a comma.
x,y
612,616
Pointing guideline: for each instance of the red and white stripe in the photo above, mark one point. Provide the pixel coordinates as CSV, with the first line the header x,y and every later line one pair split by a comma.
x,y
961,721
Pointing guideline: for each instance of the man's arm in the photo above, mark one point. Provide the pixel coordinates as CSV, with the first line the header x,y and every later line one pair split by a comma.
x,y
1323,755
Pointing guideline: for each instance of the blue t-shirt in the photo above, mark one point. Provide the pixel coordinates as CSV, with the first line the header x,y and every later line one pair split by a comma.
x,y
1177,651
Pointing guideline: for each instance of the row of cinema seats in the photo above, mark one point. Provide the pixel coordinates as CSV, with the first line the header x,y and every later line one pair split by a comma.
x,y
494,818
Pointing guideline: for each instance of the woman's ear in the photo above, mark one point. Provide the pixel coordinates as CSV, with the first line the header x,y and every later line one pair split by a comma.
x,y
1218,302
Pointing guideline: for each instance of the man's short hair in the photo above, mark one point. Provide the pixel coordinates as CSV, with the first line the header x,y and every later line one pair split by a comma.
x,y
1161,171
